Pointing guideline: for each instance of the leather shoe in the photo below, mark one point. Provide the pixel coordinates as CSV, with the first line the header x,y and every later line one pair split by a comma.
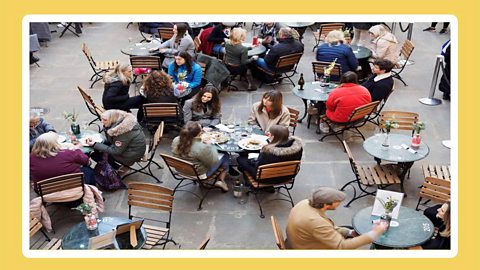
x,y
222,185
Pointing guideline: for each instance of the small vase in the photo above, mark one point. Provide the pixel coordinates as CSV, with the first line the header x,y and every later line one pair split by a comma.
x,y
416,140
91,222
75,128
387,217
386,141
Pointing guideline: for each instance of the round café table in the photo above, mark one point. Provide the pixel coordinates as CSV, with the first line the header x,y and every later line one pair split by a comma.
x,y
83,133
313,91
363,54
395,152
300,27
257,50
141,49
231,146
195,25
77,237
413,228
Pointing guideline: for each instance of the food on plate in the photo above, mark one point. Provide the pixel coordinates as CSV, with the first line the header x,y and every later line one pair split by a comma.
x,y
254,142
214,137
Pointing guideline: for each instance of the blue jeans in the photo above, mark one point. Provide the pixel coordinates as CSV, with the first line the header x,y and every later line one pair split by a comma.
x,y
224,162
88,175
218,48
261,63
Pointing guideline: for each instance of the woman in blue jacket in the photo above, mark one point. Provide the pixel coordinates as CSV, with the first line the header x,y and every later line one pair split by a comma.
x,y
334,47
185,70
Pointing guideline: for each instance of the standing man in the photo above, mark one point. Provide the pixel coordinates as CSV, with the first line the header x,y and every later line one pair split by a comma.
x,y
309,227
381,83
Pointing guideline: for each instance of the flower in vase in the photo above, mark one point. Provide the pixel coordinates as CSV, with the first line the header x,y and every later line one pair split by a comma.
x,y
328,70
71,116
389,124
86,208
419,126
389,204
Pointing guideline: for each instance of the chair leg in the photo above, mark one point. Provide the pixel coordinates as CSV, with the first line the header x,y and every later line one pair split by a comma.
x,y
158,165
203,198
397,76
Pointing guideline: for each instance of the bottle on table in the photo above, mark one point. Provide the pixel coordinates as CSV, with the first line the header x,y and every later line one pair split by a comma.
x,y
301,82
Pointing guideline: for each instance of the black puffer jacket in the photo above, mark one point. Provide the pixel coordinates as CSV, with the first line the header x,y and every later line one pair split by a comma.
x,y
285,46
115,93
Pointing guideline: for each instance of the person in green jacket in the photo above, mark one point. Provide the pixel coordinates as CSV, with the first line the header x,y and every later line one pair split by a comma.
x,y
189,146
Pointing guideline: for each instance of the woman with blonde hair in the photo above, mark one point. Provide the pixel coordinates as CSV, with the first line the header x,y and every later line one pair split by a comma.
x,y
384,43
335,47
117,85
269,111
48,159
440,217
157,88
236,56
125,141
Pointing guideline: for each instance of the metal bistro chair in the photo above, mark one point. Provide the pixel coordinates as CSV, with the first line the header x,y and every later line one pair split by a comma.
x,y
293,119
183,170
286,171
99,68
405,54
48,244
92,108
369,175
60,183
318,70
324,30
277,232
286,64
404,120
156,113
153,62
165,33
435,189
204,243
148,157
157,199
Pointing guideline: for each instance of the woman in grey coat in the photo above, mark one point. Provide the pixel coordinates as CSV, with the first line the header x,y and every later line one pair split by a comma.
x,y
204,107
181,41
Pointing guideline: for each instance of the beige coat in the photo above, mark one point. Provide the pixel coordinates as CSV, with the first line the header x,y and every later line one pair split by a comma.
x,y
385,47
262,120
310,228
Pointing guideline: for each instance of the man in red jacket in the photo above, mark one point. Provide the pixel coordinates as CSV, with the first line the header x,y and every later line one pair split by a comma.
x,y
343,100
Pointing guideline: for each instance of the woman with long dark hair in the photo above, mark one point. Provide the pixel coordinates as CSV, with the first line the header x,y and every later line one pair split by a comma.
x,y
186,72
157,88
204,107
269,111
188,146
181,41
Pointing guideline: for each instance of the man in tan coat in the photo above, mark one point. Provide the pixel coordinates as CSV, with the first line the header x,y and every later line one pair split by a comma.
x,y
309,228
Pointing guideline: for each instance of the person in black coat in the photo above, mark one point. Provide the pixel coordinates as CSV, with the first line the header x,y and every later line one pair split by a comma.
x,y
281,148
440,217
444,85
380,84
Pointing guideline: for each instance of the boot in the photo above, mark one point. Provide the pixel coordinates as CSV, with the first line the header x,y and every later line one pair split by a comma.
x,y
33,59
251,83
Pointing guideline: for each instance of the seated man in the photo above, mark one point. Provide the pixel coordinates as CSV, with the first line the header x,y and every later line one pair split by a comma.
x,y
381,83
308,226
38,126
286,45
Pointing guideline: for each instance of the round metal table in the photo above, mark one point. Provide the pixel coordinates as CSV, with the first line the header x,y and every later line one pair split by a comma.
x,y
141,49
361,52
413,228
300,27
257,50
195,25
77,237
231,146
313,91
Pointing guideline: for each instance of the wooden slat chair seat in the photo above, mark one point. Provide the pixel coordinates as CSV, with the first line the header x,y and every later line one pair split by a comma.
x,y
49,244
294,114
156,113
165,33
358,118
405,53
437,171
204,243
95,110
404,120
60,183
434,189
53,244
323,31
146,162
157,199
287,170
286,64
318,68
99,67
277,232
369,176
183,170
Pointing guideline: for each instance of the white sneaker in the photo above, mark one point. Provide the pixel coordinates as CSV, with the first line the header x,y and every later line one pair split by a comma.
x,y
222,185
324,128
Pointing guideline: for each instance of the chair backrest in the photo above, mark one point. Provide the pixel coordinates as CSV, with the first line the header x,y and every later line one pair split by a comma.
x,y
435,189
277,232
35,225
362,111
350,158
102,241
405,120
288,61
150,196
406,50
318,69
158,135
204,243
180,168
60,183
197,43
326,28
153,62
87,53
165,33
293,118
92,108
158,112
286,169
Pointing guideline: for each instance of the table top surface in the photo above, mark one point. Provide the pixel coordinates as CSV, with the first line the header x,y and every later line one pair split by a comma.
x,y
361,52
257,50
299,24
198,24
141,49
83,133
413,228
239,134
394,153
77,237
314,91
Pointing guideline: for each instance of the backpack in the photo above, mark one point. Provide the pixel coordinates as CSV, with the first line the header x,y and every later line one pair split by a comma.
x,y
107,177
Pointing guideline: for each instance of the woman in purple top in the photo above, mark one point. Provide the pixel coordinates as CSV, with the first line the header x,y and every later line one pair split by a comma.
x,y
48,160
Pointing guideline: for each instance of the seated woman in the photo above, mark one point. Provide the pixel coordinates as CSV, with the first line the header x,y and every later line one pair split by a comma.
x,y
281,148
125,141
38,126
188,146
184,70
47,160
268,33
117,85
236,56
440,217
218,36
157,88
181,41
334,47
384,44
204,107
269,111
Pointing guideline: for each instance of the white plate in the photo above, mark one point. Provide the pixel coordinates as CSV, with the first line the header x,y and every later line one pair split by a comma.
x,y
96,138
61,138
244,144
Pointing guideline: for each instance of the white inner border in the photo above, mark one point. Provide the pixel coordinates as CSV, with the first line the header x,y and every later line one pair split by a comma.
x,y
241,253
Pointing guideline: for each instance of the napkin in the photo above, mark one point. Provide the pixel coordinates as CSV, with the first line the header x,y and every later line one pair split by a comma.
x,y
259,137
224,128
253,155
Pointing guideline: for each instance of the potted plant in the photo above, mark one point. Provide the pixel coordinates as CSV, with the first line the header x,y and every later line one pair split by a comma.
x,y
389,124
89,211
72,118
416,139
388,206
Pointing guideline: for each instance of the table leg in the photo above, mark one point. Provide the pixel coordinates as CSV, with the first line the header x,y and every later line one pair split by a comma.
x,y
305,113
404,167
